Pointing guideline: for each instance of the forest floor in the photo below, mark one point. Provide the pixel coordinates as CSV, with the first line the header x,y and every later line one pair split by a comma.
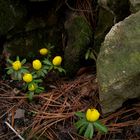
x,y
51,115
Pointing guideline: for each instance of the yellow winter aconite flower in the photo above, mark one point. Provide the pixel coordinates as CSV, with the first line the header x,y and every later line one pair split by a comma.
x,y
57,61
32,87
37,64
27,77
92,115
16,65
43,51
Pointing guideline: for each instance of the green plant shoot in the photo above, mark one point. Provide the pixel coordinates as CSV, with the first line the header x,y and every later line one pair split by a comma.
x,y
88,123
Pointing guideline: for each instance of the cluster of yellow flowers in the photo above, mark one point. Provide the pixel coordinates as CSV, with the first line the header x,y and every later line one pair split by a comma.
x,y
37,63
40,69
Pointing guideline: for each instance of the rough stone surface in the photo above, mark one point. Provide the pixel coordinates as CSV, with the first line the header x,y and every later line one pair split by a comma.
x,y
118,64
12,14
134,5
79,38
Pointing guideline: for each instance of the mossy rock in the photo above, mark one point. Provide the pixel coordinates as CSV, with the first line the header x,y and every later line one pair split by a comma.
x,y
79,38
118,64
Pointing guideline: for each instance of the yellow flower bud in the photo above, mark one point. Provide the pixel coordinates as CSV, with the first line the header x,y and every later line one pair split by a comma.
x,y
57,61
31,87
37,64
27,78
16,65
92,115
43,51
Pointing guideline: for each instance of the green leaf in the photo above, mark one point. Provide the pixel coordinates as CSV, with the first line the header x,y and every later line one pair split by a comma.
x,y
60,69
45,71
24,67
100,127
49,46
10,71
46,67
34,75
9,61
19,76
92,56
30,85
46,61
83,128
80,114
42,74
39,90
30,96
24,71
17,58
80,123
8,68
51,67
23,61
15,75
87,54
89,131
38,81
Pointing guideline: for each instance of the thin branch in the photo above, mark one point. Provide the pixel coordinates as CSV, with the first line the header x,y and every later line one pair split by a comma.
x,y
14,131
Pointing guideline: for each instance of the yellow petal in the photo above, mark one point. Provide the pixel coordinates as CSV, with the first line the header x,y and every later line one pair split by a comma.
x,y
92,115
27,77
37,64
16,65
31,88
43,51
57,61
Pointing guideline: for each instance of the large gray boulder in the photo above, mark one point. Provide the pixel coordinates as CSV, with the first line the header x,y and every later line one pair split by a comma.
x,y
118,64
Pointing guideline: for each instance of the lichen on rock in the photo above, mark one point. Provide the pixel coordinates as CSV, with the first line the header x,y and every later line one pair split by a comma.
x,y
118,64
